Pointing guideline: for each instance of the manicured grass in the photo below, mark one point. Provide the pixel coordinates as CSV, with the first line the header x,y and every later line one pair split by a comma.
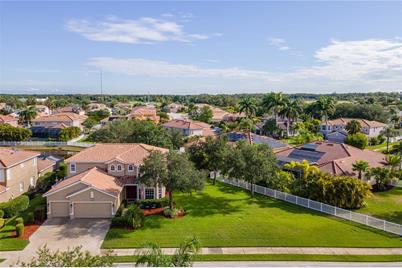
x,y
381,146
9,242
225,216
282,257
385,205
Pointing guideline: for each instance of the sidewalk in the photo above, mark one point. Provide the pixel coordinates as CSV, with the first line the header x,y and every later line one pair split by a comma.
x,y
278,250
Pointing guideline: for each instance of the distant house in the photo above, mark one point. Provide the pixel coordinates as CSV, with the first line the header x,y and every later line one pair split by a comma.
x,y
144,113
8,119
69,109
46,165
18,172
276,145
330,157
51,125
42,110
94,106
219,115
175,107
370,128
121,106
281,124
99,179
112,118
190,128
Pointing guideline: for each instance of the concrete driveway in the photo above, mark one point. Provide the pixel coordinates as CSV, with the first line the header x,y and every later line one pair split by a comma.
x,y
61,234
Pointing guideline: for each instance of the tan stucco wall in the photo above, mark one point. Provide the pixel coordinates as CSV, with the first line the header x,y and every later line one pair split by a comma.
x,y
86,196
21,173
60,196
81,167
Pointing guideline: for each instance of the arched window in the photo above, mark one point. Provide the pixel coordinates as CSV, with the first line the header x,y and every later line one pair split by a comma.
x,y
119,167
112,168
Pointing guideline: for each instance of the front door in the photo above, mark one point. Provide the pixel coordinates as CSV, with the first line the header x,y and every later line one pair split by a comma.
x,y
131,192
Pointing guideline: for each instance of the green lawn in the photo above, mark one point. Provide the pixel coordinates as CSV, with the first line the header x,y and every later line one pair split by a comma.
x,y
385,205
282,257
9,242
381,146
224,216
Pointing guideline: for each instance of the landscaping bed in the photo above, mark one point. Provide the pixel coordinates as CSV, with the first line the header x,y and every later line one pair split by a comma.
x,y
224,216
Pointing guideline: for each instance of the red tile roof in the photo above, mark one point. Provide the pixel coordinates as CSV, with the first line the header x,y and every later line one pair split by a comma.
x,y
7,118
363,122
10,157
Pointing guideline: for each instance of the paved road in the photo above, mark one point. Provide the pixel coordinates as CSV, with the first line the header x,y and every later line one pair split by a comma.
x,y
293,264
61,234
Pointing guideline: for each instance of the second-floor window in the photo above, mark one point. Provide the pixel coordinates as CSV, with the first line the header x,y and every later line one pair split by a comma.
x,y
119,168
130,168
73,168
112,168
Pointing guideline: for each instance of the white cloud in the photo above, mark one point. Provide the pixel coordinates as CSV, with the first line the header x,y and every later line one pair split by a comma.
x,y
143,30
341,66
279,43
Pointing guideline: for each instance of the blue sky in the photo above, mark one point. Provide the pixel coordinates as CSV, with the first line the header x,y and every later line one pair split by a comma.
x,y
200,47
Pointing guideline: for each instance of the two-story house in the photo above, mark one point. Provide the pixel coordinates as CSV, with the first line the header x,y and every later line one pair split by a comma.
x,y
18,172
51,125
190,128
99,179
8,119
335,130
144,113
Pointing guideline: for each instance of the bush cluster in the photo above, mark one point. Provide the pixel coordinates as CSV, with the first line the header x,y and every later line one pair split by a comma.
x,y
133,217
19,228
10,133
2,221
153,203
14,206
172,213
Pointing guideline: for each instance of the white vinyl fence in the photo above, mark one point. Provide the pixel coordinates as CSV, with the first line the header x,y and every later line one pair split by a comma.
x,y
46,143
318,206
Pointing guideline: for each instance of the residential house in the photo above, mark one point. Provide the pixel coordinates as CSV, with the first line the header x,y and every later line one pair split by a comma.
x,y
46,165
42,110
122,107
335,130
51,125
175,107
18,172
144,113
112,118
99,179
8,119
330,157
219,115
190,128
69,109
276,145
95,106
281,124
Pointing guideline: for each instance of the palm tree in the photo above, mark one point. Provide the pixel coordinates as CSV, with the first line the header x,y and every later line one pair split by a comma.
x,y
291,110
389,132
248,106
303,168
325,106
28,114
273,102
152,255
353,127
382,176
360,166
393,161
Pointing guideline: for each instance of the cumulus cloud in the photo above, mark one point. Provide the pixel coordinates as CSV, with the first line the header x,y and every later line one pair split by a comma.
x,y
143,30
279,43
341,65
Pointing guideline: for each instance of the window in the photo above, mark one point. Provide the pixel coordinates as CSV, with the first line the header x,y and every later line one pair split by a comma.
x,y
21,186
130,168
160,192
149,193
73,168
119,167
91,194
112,168
32,181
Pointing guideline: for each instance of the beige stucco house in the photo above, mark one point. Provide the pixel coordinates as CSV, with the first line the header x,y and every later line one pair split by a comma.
x,y
8,119
18,172
99,179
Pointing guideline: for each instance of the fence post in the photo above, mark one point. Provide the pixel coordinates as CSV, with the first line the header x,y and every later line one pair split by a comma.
x,y
265,190
367,220
308,203
350,215
275,193
297,200
383,227
321,206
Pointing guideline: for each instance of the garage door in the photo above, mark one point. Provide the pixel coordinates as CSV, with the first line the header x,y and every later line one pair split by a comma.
x,y
59,209
92,210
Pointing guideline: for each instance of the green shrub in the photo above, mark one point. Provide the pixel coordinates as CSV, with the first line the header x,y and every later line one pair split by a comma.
x,y
119,221
2,222
19,220
1,213
14,206
119,210
153,203
134,216
358,140
40,213
19,228
171,213
28,217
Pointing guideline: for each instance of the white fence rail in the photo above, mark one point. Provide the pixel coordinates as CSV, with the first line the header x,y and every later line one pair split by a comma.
x,y
46,143
318,206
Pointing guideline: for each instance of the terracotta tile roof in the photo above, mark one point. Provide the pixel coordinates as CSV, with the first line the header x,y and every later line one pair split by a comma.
x,y
143,113
93,177
219,114
334,158
7,118
186,124
363,122
127,153
45,163
61,117
10,157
